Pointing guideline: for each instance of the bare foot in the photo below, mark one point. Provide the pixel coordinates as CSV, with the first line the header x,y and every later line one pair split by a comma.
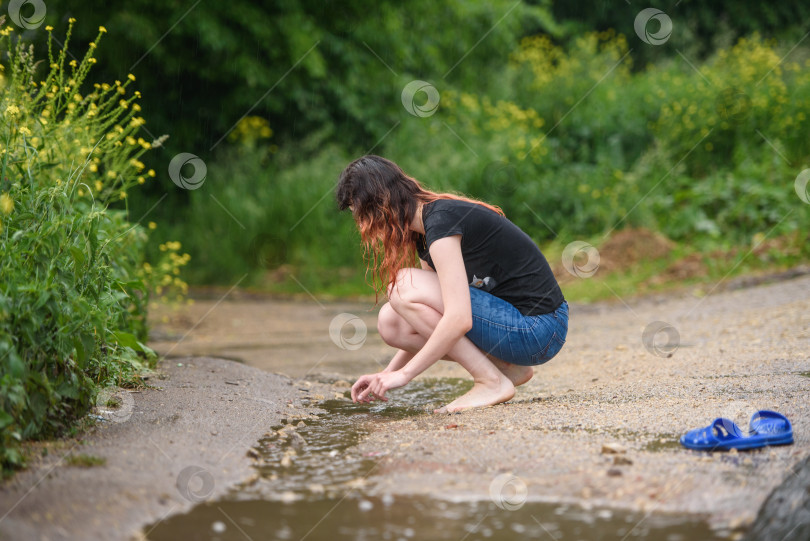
x,y
516,373
481,395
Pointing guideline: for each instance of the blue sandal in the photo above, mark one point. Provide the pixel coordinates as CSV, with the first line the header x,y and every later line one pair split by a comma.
x,y
766,428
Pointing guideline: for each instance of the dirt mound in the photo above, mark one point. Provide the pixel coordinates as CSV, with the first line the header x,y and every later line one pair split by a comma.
x,y
620,252
630,246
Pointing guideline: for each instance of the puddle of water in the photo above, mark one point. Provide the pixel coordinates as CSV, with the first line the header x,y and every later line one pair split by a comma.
x,y
318,494
418,518
320,459
664,442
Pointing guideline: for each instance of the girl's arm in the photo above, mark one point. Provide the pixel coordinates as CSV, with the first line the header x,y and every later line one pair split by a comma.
x,y
400,359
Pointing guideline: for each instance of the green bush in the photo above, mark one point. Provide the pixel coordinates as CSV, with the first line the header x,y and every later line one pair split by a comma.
x,y
668,148
708,155
74,289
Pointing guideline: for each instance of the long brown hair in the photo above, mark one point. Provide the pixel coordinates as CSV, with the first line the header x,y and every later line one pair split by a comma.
x,y
384,200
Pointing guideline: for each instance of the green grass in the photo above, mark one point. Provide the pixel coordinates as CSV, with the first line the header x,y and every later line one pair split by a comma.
x,y
85,461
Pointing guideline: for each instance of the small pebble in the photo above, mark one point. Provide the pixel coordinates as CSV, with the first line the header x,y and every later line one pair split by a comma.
x,y
613,448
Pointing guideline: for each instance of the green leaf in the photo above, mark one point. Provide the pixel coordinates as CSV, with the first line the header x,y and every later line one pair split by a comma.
x,y
5,419
78,256
128,340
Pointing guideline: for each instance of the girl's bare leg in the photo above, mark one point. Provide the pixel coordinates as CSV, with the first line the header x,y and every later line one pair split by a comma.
x,y
398,333
417,300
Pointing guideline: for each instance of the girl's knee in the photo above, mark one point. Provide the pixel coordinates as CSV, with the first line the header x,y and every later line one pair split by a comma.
x,y
389,324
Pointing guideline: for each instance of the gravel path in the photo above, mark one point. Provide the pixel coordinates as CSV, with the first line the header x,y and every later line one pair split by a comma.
x,y
730,354
738,352
166,449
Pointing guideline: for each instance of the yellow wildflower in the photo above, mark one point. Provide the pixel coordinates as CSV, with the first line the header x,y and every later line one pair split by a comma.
x,y
25,131
12,110
152,225
151,172
131,77
6,204
49,28
123,104
102,29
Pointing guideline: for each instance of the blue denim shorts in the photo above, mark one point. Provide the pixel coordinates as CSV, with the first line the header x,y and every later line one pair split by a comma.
x,y
500,330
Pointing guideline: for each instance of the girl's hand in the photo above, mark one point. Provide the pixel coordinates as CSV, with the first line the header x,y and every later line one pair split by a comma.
x,y
374,386
361,385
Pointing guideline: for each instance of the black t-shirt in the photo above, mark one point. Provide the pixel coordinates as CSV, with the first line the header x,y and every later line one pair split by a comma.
x,y
498,256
